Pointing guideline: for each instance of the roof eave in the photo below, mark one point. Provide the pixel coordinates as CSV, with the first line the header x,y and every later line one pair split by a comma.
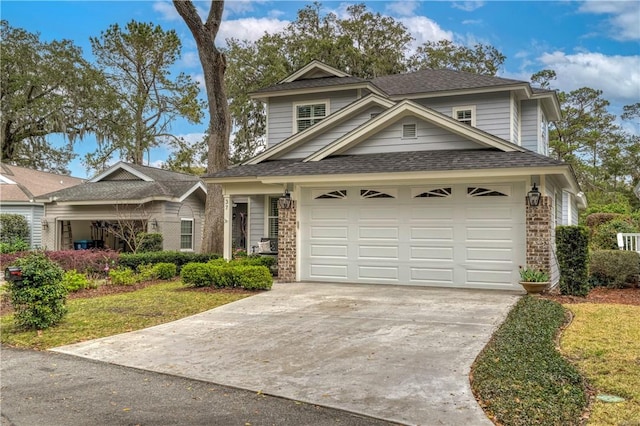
x,y
264,96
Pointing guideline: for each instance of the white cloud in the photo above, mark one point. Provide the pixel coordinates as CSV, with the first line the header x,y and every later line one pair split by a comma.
x,y
424,29
624,21
189,60
169,13
472,22
250,28
468,6
402,8
617,76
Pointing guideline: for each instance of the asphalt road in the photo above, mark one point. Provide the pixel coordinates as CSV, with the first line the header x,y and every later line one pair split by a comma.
x,y
46,388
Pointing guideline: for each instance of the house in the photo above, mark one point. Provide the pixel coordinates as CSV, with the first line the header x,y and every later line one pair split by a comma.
x,y
19,186
126,198
414,179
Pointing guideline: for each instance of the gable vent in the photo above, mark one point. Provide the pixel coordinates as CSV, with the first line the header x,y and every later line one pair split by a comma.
x,y
409,131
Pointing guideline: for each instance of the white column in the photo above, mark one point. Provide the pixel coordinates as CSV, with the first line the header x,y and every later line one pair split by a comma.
x,y
228,214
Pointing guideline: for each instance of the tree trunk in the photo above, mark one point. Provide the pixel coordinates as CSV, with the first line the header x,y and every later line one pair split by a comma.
x,y
213,66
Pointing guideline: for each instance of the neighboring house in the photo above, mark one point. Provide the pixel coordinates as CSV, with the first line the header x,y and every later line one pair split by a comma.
x,y
161,201
414,179
19,186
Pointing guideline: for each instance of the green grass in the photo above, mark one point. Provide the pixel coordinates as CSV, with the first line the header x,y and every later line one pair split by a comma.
x,y
603,340
104,316
520,378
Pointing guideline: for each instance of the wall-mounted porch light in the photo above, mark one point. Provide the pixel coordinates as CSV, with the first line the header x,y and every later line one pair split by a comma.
x,y
154,224
285,202
45,224
533,197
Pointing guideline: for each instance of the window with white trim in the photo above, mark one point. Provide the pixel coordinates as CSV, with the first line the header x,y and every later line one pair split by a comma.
x,y
373,193
477,191
186,234
308,114
444,192
409,131
272,218
338,194
465,114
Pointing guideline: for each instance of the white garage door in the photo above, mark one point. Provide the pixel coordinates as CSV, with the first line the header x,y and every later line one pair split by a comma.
x,y
470,235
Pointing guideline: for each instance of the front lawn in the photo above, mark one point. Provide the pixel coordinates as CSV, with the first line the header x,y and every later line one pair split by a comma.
x,y
107,315
603,340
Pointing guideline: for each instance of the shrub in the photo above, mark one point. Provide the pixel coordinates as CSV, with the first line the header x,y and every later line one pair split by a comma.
x,y
17,245
196,274
597,219
39,299
573,257
89,262
146,273
252,277
614,268
604,236
178,258
221,276
13,227
149,242
74,281
165,271
257,260
123,276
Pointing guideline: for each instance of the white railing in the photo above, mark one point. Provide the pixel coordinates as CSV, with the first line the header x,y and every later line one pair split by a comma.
x,y
629,241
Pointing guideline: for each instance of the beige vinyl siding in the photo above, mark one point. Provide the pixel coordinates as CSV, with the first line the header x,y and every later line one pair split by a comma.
x,y
256,220
280,111
330,135
429,137
492,110
530,125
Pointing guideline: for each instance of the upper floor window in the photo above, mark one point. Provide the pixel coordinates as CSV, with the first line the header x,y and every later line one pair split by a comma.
x,y
465,114
308,114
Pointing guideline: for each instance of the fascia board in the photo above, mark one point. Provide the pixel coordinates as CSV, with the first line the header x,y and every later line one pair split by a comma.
x,y
315,64
403,109
121,165
114,202
414,176
458,92
223,180
262,96
320,127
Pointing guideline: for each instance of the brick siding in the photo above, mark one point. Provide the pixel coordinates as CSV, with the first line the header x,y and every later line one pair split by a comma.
x,y
287,244
538,228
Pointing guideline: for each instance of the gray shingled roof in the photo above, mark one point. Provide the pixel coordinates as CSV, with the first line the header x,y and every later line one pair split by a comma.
x,y
312,83
116,190
423,81
416,161
429,80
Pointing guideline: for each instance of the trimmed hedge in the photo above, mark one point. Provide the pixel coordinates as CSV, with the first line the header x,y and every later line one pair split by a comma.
x,y
13,227
178,258
572,245
604,237
597,219
614,268
520,378
226,274
165,271
149,242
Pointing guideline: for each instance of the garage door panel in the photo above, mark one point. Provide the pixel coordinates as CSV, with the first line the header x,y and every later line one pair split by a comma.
x,y
377,273
379,233
489,254
489,213
432,234
330,232
444,214
433,276
378,252
377,214
329,250
329,213
496,234
436,253
320,271
488,277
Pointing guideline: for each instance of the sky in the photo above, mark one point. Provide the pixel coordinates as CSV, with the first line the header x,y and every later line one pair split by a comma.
x,y
588,43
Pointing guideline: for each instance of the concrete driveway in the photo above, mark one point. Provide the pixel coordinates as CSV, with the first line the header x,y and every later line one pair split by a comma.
x,y
397,353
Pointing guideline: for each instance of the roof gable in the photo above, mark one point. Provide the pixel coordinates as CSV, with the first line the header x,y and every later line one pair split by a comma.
x,y
23,184
314,69
329,122
410,109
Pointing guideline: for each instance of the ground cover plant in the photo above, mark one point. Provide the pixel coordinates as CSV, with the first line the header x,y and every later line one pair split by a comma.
x,y
520,378
91,318
603,340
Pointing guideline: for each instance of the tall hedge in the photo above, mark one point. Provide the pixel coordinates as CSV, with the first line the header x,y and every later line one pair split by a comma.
x,y
572,245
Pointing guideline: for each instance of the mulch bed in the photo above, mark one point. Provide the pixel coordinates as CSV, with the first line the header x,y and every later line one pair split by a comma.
x,y
622,296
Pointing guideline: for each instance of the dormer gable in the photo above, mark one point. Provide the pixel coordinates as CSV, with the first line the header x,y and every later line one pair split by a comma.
x,y
121,171
314,69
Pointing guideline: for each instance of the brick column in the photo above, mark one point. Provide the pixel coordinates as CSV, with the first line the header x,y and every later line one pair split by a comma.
x,y
538,228
287,244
